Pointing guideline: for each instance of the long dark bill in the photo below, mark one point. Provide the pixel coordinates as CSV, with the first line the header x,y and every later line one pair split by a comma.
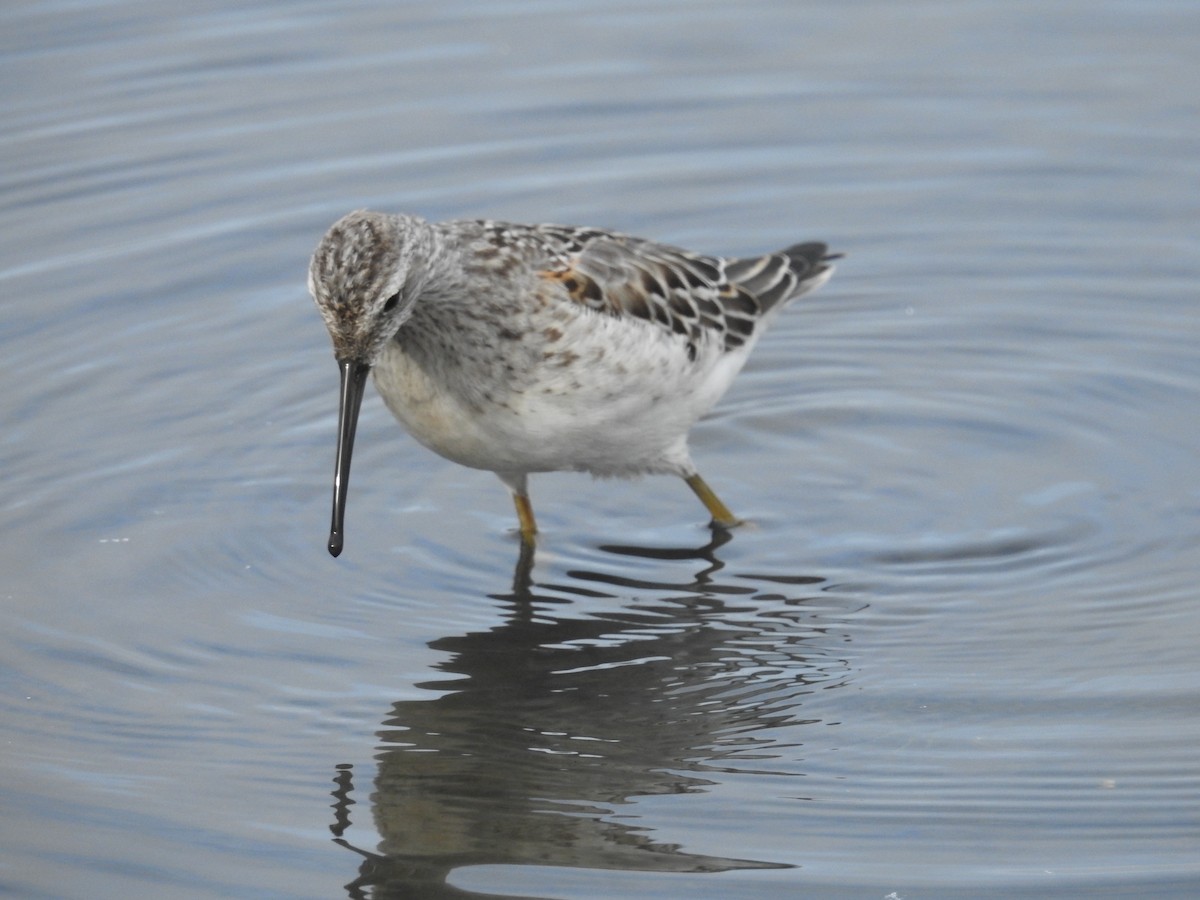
x,y
354,379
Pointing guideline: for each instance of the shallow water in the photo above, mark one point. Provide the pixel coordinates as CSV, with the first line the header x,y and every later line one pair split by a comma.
x,y
952,654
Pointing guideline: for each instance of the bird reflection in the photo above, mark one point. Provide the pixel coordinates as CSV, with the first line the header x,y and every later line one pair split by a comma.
x,y
552,726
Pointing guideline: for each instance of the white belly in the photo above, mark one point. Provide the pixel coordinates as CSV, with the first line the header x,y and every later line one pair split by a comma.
x,y
621,405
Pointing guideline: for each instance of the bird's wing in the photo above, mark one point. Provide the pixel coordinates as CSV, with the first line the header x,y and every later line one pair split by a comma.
x,y
699,297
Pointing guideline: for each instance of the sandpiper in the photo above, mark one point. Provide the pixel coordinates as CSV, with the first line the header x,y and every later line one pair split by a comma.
x,y
542,348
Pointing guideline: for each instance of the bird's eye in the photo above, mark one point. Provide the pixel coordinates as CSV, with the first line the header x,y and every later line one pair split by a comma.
x,y
391,302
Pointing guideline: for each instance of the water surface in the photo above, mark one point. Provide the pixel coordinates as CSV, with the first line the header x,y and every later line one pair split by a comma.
x,y
952,654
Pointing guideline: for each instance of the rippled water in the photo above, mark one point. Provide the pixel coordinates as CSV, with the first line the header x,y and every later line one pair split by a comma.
x,y
953,654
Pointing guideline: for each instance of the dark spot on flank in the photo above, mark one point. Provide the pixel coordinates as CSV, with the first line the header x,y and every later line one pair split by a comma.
x,y
708,309
733,341
741,302
652,286
741,327
509,335
551,334
682,306
634,304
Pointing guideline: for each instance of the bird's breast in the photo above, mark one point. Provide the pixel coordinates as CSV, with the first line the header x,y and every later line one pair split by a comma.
x,y
602,401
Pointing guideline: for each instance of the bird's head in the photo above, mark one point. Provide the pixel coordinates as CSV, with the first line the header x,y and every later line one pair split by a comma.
x,y
365,276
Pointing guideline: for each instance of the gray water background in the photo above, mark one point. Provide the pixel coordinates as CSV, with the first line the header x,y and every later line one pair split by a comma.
x,y
954,654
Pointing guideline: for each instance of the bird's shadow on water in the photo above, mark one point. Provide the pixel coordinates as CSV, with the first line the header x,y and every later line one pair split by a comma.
x,y
554,721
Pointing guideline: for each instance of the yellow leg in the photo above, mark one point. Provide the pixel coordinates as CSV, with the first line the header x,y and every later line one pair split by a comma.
x,y
525,517
720,512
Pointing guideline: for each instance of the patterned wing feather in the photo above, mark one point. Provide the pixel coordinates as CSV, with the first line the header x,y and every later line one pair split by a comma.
x,y
699,297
